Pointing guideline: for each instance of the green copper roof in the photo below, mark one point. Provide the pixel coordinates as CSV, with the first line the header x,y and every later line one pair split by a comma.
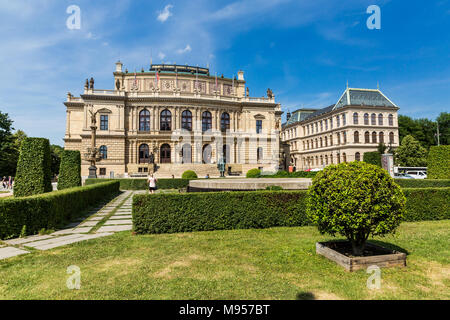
x,y
364,97
350,97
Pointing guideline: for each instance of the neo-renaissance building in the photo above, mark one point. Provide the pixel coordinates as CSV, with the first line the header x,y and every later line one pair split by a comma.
x,y
343,132
180,116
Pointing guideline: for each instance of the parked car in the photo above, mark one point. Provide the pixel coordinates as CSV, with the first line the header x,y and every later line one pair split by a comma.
x,y
417,174
404,176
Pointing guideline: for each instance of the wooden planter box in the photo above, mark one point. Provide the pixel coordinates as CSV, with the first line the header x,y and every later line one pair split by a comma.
x,y
392,258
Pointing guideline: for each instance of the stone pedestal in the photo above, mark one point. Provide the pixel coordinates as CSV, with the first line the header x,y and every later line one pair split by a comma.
x,y
387,162
92,172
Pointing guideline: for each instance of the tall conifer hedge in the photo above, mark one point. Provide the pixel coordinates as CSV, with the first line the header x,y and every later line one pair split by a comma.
x,y
33,174
70,170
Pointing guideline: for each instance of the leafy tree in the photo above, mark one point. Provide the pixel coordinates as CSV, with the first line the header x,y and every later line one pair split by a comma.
x,y
56,154
410,153
355,200
8,150
444,128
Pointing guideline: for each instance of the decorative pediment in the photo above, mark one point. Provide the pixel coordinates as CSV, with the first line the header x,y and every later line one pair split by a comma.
x,y
260,117
104,110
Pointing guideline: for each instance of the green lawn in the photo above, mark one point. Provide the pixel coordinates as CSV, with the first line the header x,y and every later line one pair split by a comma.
x,y
277,263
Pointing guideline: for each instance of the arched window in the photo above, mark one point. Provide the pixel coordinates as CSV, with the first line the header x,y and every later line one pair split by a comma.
x,y
321,160
366,118
381,137
206,153
344,120
186,153
206,121
391,120
356,137
144,120
338,135
259,154
338,121
144,153
380,119
374,137
326,159
367,137
373,119
226,153
331,159
391,137
355,118
331,140
326,141
166,120
104,152
338,158
357,156
344,157
317,143
225,122
165,154
186,120
321,126
321,143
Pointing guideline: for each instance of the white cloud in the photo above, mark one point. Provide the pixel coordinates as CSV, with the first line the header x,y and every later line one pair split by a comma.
x,y
185,50
161,55
165,14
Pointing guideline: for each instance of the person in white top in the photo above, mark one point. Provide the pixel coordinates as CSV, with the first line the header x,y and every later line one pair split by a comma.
x,y
151,184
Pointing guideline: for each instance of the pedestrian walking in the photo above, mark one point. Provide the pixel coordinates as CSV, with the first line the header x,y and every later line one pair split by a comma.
x,y
152,184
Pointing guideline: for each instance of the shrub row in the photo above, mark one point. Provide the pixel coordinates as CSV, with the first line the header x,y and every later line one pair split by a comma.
x,y
256,173
423,183
439,162
50,210
141,184
170,213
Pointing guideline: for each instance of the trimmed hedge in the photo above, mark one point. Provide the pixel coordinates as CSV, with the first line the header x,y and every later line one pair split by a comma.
x,y
170,213
256,173
70,170
50,210
372,158
439,162
141,184
423,183
427,204
34,175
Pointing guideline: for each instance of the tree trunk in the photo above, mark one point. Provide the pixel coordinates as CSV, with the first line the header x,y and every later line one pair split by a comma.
x,y
358,247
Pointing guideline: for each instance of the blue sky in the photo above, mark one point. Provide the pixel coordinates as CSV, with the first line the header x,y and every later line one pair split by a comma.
x,y
305,51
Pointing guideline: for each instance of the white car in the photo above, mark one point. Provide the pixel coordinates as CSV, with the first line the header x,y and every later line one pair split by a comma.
x,y
417,174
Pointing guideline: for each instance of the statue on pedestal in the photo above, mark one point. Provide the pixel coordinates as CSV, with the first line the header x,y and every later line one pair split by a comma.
x,y
93,155
221,167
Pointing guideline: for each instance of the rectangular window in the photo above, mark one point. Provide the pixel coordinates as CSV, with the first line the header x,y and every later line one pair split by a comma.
x,y
103,122
259,126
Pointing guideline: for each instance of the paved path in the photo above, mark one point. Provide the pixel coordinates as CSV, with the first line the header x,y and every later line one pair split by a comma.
x,y
100,222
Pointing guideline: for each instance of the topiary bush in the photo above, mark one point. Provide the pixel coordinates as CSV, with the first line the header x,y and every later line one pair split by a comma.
x,y
253,173
355,200
70,170
33,174
189,174
439,162
372,158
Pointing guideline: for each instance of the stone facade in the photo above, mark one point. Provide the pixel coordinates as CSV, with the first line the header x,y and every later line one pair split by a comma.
x,y
342,132
183,116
